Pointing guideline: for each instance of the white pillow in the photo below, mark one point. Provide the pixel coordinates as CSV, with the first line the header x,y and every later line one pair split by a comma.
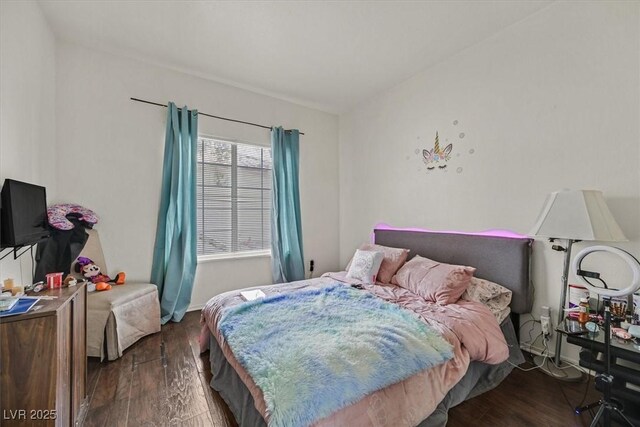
x,y
365,265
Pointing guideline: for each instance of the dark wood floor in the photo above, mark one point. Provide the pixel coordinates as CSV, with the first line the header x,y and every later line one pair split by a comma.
x,y
163,380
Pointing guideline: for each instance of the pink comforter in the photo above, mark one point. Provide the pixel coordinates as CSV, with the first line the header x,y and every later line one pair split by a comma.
x,y
469,326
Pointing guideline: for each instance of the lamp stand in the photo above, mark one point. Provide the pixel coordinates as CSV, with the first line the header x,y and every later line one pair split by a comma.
x,y
556,368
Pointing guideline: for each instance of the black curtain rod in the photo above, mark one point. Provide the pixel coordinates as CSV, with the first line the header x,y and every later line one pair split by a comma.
x,y
211,115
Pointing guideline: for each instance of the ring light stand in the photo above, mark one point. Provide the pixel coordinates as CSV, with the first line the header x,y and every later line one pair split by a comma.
x,y
607,405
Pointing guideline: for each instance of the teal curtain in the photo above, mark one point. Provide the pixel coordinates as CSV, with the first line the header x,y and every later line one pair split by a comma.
x,y
175,256
287,259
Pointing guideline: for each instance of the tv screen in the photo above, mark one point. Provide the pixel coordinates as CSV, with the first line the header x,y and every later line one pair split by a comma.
x,y
23,218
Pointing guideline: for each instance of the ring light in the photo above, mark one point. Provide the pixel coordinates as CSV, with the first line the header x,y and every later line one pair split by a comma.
x,y
626,256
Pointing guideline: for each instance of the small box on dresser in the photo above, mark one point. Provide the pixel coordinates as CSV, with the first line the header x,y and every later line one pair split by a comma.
x,y
43,362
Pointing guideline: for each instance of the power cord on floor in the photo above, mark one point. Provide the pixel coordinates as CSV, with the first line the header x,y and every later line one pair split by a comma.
x,y
587,384
529,369
584,396
530,345
569,365
531,339
545,353
531,342
545,357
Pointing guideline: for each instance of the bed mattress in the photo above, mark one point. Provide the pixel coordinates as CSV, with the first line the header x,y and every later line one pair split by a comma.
x,y
480,351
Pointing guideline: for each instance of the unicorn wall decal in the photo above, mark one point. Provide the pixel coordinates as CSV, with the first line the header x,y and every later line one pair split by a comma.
x,y
435,156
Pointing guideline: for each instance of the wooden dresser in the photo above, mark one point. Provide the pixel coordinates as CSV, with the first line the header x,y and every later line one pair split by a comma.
x,y
43,362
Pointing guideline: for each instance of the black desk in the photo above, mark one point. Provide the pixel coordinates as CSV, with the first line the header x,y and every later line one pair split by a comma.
x,y
626,374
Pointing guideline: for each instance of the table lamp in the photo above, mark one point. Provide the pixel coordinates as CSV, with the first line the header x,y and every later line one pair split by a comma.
x,y
572,216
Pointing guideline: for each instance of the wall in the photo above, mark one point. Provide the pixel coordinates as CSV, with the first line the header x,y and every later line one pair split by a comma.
x,y
110,151
27,108
551,102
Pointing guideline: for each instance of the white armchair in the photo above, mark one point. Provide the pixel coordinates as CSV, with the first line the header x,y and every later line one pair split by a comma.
x,y
119,317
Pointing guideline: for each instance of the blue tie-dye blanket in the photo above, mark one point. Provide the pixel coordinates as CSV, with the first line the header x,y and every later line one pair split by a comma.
x,y
313,352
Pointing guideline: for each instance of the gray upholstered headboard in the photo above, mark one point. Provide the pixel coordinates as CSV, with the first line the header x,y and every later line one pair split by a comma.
x,y
503,260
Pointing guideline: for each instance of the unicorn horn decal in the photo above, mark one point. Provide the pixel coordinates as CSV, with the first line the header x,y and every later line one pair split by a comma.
x,y
436,155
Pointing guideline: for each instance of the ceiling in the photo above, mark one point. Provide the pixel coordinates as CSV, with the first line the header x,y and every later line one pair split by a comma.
x,y
328,55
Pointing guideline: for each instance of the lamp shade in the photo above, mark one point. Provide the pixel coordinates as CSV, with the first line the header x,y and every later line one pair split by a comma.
x,y
577,215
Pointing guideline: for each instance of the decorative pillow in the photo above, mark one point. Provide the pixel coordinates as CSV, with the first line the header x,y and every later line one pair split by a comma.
x,y
365,266
434,281
496,297
393,260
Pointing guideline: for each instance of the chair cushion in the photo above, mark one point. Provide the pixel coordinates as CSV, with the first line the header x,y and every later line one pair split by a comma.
x,y
118,295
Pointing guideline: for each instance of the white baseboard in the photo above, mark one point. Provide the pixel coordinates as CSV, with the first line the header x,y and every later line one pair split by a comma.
x,y
538,351
196,307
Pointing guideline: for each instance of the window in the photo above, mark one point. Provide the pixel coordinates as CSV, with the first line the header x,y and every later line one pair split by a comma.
x,y
233,197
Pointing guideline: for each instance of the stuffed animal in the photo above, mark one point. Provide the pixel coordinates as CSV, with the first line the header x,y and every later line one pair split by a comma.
x,y
91,271
102,286
69,281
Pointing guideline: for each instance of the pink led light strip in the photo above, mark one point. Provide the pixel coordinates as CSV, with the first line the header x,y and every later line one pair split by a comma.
x,y
488,233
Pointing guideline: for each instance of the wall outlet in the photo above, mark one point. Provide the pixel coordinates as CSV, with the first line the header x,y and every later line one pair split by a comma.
x,y
545,311
545,323
312,265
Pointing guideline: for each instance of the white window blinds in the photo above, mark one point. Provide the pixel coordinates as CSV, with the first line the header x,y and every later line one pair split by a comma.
x,y
233,197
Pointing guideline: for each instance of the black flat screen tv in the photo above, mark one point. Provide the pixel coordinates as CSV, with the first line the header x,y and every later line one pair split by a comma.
x,y
23,216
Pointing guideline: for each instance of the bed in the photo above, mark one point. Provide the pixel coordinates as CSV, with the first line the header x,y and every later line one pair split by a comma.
x,y
424,398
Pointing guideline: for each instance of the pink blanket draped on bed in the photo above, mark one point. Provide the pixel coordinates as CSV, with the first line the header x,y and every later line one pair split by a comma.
x,y
469,326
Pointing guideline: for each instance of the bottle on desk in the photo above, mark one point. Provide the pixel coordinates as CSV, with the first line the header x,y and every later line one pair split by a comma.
x,y
583,313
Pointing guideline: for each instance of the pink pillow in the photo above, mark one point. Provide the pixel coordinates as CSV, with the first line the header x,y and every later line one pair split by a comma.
x,y
392,261
434,281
